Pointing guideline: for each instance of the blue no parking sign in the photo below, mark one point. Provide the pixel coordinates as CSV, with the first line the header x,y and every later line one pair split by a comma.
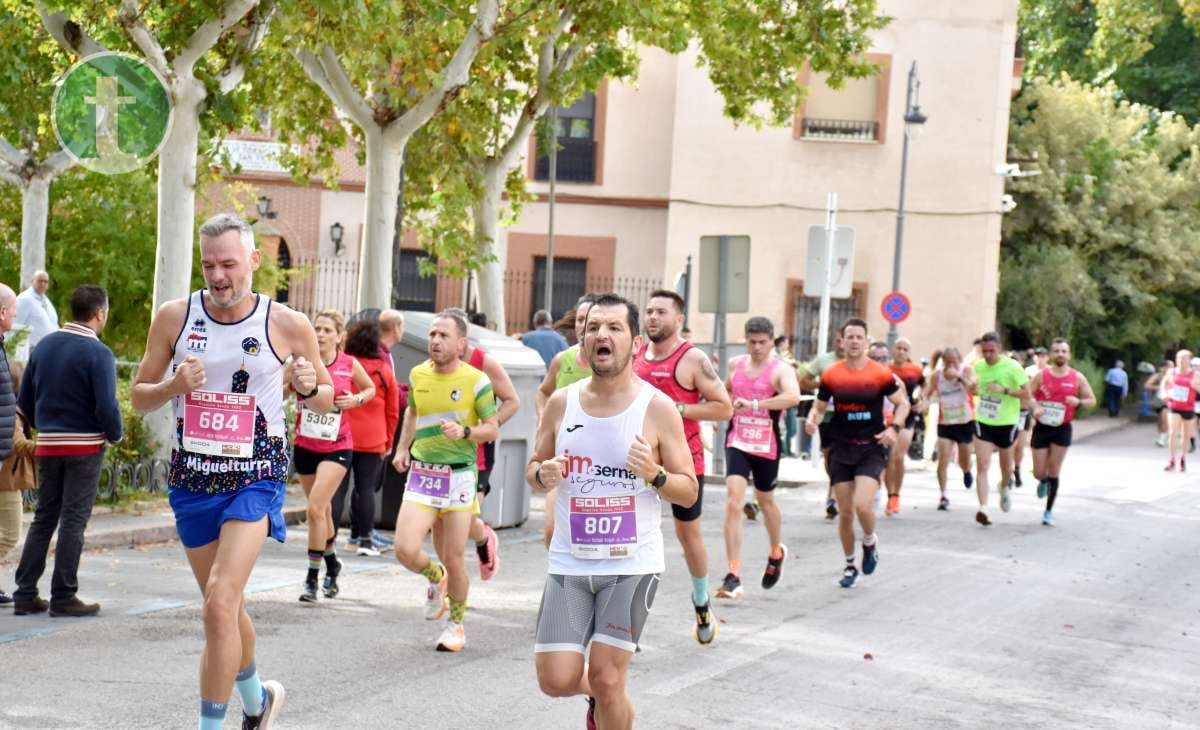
x,y
896,307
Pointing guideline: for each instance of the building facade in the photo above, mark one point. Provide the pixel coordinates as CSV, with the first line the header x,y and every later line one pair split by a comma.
x,y
646,169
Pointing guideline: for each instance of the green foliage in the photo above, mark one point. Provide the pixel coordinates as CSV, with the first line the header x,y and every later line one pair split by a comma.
x,y
138,443
101,230
1095,377
1149,48
30,62
1104,242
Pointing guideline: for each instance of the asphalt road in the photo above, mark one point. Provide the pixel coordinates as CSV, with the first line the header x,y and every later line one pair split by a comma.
x,y
1092,623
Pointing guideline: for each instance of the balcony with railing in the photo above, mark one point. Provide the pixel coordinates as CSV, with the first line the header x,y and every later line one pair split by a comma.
x,y
840,129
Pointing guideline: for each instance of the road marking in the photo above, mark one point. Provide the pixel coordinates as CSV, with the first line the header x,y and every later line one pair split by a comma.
x,y
24,634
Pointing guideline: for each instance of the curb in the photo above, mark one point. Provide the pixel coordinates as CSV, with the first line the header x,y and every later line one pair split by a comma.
x,y
1116,424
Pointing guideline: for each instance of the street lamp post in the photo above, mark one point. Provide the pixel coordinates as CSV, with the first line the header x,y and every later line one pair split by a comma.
x,y
913,117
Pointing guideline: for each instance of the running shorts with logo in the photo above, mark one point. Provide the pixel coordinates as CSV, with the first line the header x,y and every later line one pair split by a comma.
x,y
1001,437
858,397
443,475
239,473
307,461
610,609
959,433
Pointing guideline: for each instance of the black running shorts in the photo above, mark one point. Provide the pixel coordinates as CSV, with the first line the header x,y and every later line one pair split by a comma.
x,y
1002,437
740,464
307,461
850,460
691,514
1044,436
959,433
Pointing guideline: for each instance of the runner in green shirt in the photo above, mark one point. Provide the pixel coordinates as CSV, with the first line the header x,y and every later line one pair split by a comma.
x,y
1003,389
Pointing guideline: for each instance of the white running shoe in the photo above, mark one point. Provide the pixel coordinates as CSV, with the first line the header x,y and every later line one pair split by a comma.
x,y
453,637
1005,500
369,552
435,599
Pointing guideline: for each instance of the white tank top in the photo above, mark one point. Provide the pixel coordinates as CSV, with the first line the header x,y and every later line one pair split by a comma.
x,y
954,401
607,520
238,358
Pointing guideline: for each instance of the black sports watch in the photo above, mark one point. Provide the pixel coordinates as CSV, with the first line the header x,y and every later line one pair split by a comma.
x,y
466,432
897,428
659,480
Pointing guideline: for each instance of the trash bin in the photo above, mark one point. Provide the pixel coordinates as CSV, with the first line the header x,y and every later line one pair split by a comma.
x,y
508,503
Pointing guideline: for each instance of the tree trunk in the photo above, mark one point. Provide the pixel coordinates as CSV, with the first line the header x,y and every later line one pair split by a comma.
x,y
486,214
177,195
384,157
35,208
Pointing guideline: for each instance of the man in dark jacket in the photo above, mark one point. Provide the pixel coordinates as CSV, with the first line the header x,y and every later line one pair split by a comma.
x,y
8,399
69,394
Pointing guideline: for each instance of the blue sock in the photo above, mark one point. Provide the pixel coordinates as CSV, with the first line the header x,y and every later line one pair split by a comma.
x,y
212,715
249,686
700,590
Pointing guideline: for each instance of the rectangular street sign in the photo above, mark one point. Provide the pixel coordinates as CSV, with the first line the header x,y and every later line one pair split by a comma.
x,y
843,262
736,270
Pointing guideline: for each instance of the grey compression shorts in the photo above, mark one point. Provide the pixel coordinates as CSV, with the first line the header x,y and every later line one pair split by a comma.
x,y
610,609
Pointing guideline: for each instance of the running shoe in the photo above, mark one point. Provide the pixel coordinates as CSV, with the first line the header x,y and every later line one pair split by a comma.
x,y
968,479
893,504
774,569
750,509
943,504
330,586
489,554
453,637
1017,478
731,587
1048,518
1161,440
273,695
982,518
591,713
1170,465
368,551
1005,499
705,630
870,557
5,599
831,511
310,592
351,542
849,575
435,600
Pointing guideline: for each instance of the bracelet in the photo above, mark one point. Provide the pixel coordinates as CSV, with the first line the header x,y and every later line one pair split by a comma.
x,y
316,389
756,404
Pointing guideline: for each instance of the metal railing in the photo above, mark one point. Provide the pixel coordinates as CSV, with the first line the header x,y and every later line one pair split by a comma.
x,y
523,293
840,129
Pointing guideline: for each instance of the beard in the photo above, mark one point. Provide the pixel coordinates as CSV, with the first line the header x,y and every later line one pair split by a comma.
x,y
616,365
665,332
1059,362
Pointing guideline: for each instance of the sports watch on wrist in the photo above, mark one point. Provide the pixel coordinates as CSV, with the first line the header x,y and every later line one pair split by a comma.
x,y
466,432
659,480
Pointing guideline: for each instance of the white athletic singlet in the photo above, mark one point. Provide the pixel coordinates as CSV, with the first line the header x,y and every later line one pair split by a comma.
x,y
954,401
238,359
607,520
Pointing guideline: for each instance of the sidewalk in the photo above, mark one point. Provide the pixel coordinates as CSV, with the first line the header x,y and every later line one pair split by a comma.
x,y
151,522
144,522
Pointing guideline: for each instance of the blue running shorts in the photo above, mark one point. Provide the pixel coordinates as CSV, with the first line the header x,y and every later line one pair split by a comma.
x,y
199,515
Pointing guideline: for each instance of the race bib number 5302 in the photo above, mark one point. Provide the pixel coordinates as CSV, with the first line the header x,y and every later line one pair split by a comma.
x,y
219,424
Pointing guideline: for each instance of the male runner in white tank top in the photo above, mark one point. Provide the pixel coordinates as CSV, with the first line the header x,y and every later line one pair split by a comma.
x,y
601,442
226,346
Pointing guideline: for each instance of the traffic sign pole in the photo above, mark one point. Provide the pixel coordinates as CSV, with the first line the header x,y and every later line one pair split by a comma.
x,y
823,324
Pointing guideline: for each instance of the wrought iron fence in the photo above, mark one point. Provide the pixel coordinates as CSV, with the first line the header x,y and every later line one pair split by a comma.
x,y
524,292
323,283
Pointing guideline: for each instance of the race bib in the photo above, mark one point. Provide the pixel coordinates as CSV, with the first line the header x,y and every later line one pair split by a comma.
x,y
1053,414
603,527
320,426
437,487
1179,393
953,415
989,406
753,435
219,424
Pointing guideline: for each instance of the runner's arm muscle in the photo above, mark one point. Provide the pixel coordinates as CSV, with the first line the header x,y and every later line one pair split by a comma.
x,y
787,391
1087,397
715,405
502,386
300,340
899,399
363,382
673,452
150,391
544,446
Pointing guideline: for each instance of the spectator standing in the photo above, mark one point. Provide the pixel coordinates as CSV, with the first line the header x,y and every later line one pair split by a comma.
x,y
544,338
373,426
1116,387
69,394
16,475
8,394
35,310
783,348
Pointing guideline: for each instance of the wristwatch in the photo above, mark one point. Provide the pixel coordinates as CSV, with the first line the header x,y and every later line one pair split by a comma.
x,y
659,480
316,389
466,432
679,407
897,428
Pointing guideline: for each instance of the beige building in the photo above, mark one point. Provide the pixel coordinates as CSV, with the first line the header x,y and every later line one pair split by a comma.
x,y
646,169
